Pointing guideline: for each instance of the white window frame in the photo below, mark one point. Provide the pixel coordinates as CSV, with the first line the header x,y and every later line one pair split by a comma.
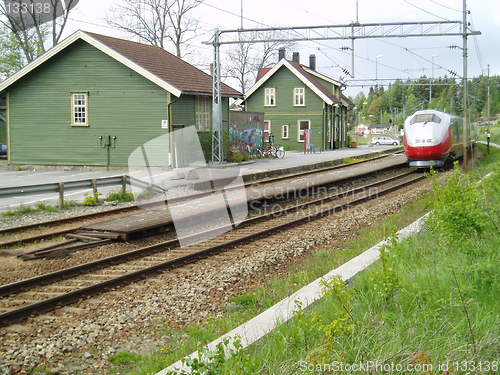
x,y
203,114
269,97
268,131
298,129
75,106
299,92
283,127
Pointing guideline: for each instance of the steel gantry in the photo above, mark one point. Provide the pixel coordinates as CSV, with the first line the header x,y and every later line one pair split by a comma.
x,y
350,31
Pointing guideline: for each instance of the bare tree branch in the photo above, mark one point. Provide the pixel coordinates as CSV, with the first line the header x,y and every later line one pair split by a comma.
x,y
245,60
157,21
30,26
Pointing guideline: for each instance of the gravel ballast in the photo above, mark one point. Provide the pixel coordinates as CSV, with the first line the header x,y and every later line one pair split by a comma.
x,y
67,340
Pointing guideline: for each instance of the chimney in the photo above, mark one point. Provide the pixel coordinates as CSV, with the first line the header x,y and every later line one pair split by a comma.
x,y
296,57
281,54
312,62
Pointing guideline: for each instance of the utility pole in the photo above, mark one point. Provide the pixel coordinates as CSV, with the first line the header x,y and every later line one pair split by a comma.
x,y
333,32
464,78
488,103
241,21
432,79
352,39
217,135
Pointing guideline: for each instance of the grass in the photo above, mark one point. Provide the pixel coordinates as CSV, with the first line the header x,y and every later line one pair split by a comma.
x,y
416,314
357,159
26,210
180,342
432,300
121,196
495,133
90,200
38,208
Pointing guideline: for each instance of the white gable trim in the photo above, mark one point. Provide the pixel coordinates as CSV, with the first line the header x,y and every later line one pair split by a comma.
x,y
326,78
100,46
266,76
290,67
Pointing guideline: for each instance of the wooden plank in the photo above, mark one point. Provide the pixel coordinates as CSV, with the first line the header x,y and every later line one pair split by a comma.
x,y
82,237
139,222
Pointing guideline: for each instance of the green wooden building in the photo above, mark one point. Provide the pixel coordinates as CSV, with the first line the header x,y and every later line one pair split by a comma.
x,y
3,120
91,86
294,98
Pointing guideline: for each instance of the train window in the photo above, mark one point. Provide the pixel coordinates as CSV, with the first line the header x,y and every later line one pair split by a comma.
x,y
428,117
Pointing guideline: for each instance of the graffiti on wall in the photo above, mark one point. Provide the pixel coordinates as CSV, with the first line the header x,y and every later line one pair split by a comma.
x,y
246,130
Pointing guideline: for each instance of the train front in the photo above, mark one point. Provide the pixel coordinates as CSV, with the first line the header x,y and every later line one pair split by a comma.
x,y
427,138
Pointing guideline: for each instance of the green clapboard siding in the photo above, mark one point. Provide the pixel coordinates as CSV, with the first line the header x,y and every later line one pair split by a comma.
x,y
122,103
3,125
183,111
285,113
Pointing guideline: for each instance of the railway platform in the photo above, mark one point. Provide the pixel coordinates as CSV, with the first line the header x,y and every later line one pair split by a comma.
x,y
199,207
293,162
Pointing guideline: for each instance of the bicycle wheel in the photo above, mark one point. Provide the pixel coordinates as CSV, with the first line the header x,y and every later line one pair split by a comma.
x,y
280,154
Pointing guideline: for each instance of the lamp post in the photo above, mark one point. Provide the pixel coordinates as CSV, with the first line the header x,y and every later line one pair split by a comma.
x,y
432,78
376,65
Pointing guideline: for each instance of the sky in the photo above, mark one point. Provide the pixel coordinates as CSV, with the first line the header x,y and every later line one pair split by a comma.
x,y
393,61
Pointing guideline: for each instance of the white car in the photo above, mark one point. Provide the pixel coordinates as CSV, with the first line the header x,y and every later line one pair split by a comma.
x,y
384,140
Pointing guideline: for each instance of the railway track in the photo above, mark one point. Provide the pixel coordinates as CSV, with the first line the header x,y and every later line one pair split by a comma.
x,y
50,228
47,292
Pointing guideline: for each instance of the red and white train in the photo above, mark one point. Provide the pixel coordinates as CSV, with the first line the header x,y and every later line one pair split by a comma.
x,y
432,138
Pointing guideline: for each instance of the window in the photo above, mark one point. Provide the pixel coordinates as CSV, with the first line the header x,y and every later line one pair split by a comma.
x,y
299,97
284,131
79,103
267,130
269,97
428,117
203,112
303,126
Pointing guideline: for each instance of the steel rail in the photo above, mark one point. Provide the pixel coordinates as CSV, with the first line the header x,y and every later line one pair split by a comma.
x,y
161,202
116,259
67,298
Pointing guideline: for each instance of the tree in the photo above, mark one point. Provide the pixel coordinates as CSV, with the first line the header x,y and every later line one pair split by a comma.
x,y
32,25
239,66
12,58
246,59
156,21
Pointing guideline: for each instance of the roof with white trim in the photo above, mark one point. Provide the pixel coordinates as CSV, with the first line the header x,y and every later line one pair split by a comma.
x,y
307,76
153,63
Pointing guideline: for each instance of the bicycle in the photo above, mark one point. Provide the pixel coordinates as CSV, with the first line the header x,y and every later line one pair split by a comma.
x,y
274,151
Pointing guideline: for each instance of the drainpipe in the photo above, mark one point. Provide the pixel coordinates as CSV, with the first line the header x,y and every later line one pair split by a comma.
x,y
171,128
325,121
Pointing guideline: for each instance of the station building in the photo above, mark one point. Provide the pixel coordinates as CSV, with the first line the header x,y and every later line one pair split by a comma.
x,y
90,88
294,98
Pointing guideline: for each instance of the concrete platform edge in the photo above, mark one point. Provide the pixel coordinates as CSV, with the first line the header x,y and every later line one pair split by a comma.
x,y
256,328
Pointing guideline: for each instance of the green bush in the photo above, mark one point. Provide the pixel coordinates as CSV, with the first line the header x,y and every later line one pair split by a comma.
x,y
92,200
457,205
205,138
206,144
121,196
236,156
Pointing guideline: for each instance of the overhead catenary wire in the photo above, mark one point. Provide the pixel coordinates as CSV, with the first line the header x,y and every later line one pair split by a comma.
x,y
477,49
266,25
425,10
445,6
